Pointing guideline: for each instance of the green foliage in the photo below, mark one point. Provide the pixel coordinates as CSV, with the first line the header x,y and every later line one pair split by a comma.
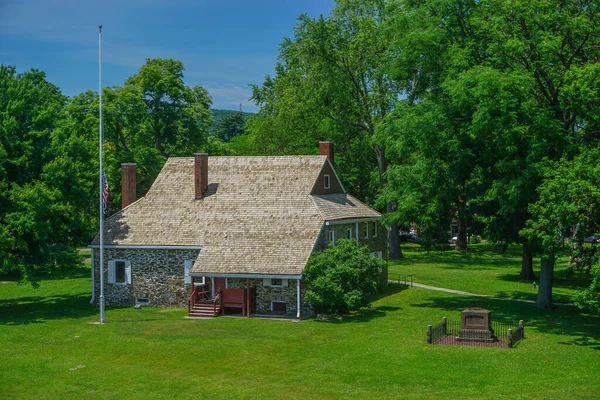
x,y
342,277
475,239
40,215
231,126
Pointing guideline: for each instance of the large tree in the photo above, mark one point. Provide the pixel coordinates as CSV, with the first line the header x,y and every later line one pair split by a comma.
x,y
42,189
328,86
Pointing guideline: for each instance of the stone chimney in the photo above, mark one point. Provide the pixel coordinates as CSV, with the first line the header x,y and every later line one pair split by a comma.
x,y
128,184
200,174
326,149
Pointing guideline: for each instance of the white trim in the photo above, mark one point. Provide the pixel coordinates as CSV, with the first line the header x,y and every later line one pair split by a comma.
x,y
249,276
199,283
374,229
336,175
349,233
332,237
367,230
93,279
351,221
298,305
112,264
357,233
118,246
277,301
326,181
187,267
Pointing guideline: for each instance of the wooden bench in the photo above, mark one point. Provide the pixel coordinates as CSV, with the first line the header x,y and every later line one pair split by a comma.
x,y
236,298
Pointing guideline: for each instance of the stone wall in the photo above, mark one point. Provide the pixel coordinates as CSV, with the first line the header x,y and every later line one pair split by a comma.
x,y
155,273
265,294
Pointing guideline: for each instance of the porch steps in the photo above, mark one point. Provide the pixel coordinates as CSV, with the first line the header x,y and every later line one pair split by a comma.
x,y
204,310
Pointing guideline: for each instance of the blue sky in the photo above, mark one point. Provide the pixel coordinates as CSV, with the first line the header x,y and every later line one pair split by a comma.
x,y
224,44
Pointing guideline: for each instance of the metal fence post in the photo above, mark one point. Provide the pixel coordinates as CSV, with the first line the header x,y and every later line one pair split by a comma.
x,y
522,326
444,324
510,338
428,334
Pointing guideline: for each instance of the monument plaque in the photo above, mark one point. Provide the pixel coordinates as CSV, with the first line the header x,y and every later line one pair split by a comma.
x,y
476,325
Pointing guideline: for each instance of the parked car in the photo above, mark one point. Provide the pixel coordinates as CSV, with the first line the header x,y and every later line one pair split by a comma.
x,y
591,239
453,240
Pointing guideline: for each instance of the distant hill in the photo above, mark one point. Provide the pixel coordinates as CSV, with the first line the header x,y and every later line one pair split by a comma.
x,y
220,114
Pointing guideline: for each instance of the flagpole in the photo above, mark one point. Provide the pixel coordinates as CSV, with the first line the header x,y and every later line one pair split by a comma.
x,y
101,181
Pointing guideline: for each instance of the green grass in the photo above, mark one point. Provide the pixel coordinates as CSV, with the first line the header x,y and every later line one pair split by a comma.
x,y
50,350
481,270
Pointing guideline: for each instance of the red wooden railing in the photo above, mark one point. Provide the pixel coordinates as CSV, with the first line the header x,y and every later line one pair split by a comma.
x,y
217,297
199,293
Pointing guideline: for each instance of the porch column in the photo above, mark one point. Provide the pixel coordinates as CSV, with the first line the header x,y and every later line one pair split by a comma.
x,y
356,229
248,297
212,287
298,298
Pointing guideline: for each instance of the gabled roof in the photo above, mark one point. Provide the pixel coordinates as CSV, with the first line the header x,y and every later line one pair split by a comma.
x,y
256,217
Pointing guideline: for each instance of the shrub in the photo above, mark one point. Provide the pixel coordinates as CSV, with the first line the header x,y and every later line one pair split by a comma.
x,y
342,277
475,239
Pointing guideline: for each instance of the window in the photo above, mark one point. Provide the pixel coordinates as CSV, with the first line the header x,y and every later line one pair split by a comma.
x,y
327,181
144,301
275,282
349,233
119,272
366,228
199,280
332,238
187,266
374,230
377,254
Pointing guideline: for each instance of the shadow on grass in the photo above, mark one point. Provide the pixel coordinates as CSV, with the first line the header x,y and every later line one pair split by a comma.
x,y
38,309
579,328
577,282
368,313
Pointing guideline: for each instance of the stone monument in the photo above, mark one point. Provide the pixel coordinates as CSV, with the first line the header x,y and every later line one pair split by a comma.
x,y
476,325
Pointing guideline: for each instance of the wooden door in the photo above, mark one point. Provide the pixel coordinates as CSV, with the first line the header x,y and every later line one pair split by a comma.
x,y
219,284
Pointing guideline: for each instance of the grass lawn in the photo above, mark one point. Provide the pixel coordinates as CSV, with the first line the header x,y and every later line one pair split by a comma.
x,y
482,270
51,351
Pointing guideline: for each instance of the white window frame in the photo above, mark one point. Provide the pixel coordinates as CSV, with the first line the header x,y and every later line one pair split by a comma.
x,y
187,276
377,254
349,233
199,280
374,229
326,181
277,301
268,282
332,238
112,273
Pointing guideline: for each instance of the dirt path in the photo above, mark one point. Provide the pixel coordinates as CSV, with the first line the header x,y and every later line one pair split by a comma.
x,y
439,289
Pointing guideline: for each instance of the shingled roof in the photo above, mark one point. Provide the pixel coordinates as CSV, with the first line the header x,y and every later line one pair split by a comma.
x,y
256,217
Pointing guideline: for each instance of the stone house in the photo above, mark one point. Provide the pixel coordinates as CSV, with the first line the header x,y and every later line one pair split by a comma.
x,y
219,232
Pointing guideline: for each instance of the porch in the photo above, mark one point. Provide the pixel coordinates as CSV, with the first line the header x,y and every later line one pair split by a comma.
x,y
250,297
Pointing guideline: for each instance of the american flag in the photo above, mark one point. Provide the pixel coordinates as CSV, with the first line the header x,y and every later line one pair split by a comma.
x,y
104,194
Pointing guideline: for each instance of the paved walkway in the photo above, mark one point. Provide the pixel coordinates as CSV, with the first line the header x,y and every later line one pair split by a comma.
x,y
439,289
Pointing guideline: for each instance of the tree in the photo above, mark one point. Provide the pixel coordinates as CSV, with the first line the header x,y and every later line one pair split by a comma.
x,y
40,218
230,126
342,277
328,86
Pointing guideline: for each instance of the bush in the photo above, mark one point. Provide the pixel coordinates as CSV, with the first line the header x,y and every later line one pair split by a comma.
x,y
475,239
342,277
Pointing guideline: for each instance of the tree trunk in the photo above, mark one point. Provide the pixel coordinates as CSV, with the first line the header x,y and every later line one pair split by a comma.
x,y
527,273
544,297
461,239
393,238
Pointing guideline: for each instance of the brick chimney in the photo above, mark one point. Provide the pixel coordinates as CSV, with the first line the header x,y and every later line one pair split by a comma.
x,y
326,149
128,184
200,174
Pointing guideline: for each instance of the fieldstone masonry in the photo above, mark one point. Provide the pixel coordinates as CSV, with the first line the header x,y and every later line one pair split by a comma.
x,y
155,273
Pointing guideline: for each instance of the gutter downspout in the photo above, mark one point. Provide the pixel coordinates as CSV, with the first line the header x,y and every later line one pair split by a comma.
x,y
93,282
298,298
